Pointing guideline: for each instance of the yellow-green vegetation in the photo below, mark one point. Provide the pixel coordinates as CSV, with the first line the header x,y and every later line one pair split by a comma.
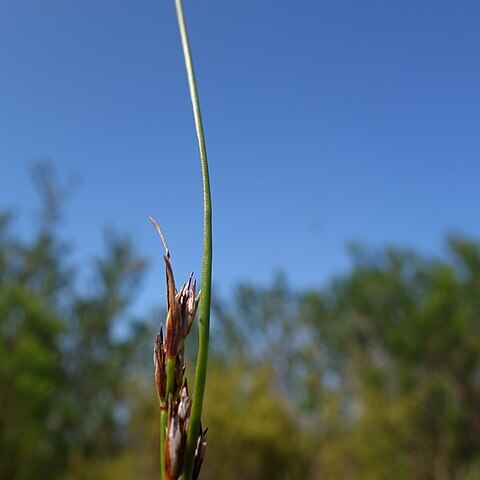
x,y
251,418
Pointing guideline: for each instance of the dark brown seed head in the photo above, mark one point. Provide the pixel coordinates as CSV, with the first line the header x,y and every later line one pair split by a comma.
x,y
160,367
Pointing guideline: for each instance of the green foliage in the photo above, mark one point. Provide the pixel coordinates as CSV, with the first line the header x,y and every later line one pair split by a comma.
x,y
253,433
62,366
411,357
374,376
382,364
30,376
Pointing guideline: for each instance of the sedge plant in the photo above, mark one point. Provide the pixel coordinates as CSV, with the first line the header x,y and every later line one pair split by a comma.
x,y
182,438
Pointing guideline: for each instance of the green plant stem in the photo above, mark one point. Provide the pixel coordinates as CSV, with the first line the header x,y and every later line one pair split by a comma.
x,y
170,370
163,426
204,308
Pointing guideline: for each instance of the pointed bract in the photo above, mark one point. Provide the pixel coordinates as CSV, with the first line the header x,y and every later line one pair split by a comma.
x,y
200,452
182,307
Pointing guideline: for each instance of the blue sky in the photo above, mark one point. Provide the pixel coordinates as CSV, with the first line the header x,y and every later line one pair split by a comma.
x,y
326,122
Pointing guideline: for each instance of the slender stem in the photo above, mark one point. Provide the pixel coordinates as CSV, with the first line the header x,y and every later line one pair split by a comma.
x,y
163,428
170,377
204,309
170,369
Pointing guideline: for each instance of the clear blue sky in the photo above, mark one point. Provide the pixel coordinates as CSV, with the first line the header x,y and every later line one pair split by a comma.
x,y
326,122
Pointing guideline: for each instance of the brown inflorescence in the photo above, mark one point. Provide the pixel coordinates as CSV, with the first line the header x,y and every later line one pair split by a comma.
x,y
181,309
176,437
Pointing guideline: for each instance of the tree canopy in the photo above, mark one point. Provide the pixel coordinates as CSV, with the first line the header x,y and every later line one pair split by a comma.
x,y
373,376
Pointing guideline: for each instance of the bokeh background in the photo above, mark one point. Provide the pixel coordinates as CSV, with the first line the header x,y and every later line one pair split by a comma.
x,y
344,153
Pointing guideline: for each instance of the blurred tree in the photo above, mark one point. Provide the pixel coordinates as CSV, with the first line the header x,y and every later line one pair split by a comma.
x,y
262,325
62,362
96,359
382,364
31,379
32,279
409,381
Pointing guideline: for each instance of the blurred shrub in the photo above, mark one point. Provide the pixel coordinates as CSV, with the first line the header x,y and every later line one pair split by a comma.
x,y
254,433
